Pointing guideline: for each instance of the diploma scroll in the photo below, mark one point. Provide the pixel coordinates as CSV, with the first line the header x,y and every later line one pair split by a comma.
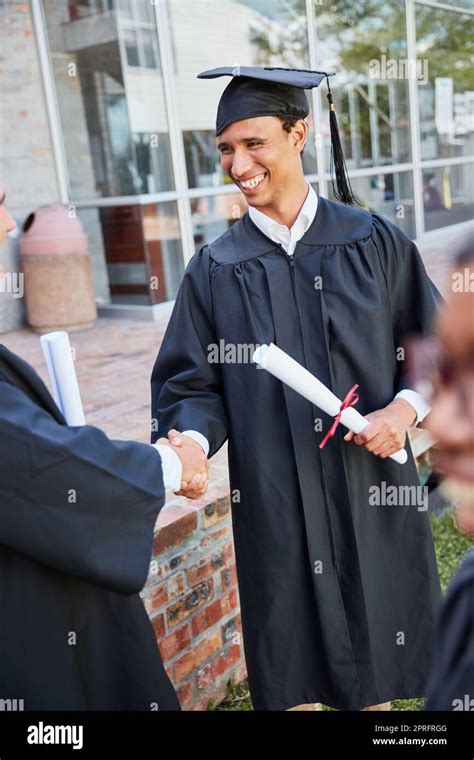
x,y
57,352
286,369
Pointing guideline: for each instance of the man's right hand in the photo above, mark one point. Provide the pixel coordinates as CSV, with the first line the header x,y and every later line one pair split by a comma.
x,y
195,465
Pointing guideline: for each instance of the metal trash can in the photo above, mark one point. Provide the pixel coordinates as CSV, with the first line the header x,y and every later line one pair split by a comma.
x,y
59,290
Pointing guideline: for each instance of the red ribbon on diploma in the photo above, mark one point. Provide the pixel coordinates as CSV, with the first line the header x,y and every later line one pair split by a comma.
x,y
350,400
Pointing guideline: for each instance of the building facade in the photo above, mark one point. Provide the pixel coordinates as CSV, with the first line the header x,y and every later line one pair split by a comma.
x,y
101,110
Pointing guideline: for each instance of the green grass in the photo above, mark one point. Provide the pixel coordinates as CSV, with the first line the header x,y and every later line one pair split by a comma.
x,y
450,546
237,698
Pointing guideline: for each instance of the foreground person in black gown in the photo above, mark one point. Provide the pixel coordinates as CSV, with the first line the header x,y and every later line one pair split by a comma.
x,y
74,634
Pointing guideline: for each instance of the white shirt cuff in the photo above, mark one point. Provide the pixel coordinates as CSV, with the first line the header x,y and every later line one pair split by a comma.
x,y
199,438
419,404
171,467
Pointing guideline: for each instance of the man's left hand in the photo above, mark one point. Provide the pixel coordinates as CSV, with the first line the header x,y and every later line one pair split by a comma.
x,y
387,430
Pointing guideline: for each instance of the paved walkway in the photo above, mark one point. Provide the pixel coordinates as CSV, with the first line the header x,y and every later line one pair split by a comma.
x,y
114,360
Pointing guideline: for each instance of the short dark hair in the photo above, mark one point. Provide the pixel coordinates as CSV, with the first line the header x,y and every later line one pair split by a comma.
x,y
288,122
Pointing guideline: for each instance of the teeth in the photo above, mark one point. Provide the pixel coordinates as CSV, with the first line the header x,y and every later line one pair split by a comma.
x,y
249,183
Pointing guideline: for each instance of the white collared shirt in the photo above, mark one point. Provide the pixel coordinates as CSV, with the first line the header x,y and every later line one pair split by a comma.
x,y
280,233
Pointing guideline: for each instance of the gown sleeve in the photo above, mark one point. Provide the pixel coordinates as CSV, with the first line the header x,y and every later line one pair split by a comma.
x,y
453,672
74,500
186,388
414,299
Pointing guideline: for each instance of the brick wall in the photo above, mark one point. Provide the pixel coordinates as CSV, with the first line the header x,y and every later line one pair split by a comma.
x,y
192,599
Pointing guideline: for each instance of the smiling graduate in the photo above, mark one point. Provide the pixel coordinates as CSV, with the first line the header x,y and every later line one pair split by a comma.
x,y
339,597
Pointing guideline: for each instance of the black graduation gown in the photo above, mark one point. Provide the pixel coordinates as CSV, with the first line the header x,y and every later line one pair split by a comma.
x,y
72,571
451,686
332,636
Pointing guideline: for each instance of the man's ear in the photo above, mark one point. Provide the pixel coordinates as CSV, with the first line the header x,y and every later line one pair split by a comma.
x,y
299,134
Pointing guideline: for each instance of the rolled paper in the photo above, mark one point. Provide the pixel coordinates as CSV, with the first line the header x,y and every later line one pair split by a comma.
x,y
282,366
57,352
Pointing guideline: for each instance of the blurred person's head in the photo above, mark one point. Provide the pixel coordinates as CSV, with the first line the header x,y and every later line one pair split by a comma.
x,y
7,223
451,420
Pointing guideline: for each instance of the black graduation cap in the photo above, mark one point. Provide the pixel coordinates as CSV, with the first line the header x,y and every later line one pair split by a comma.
x,y
273,91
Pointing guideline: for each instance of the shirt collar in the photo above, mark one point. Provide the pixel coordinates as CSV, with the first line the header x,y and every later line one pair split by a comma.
x,y
334,224
305,218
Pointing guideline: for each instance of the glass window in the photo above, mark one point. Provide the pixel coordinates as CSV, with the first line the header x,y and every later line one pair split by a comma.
x,y
144,10
456,3
213,214
91,222
207,34
448,195
149,59
142,250
122,234
124,7
81,8
390,195
367,50
164,250
131,46
445,44
110,96
138,25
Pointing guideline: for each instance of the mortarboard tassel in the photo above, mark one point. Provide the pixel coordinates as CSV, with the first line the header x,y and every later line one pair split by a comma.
x,y
341,186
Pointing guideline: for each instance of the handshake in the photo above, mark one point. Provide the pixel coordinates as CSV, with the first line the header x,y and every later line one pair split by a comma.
x,y
194,463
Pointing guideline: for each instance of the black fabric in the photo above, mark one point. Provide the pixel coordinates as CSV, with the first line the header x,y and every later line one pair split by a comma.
x,y
74,568
255,91
326,637
451,686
